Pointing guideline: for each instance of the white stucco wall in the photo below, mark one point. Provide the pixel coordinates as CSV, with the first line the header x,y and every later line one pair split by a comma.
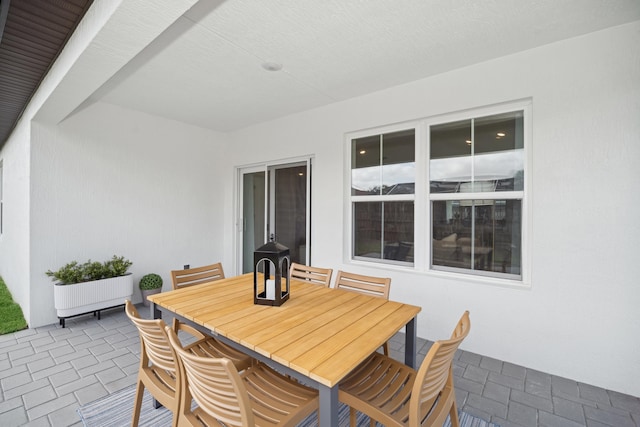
x,y
579,317
110,181
14,240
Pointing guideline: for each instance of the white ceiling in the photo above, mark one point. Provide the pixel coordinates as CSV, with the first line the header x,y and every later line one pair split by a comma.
x,y
206,68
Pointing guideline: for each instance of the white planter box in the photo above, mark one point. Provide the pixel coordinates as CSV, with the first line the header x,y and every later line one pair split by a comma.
x,y
87,297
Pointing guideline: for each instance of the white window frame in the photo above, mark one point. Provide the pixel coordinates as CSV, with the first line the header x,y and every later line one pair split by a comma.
x,y
422,197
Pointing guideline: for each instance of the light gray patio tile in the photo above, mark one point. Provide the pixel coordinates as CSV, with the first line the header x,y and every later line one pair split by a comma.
x,y
40,422
40,341
537,377
594,394
14,417
39,396
62,350
35,357
52,405
64,377
576,399
114,354
470,358
625,401
110,375
568,409
52,346
131,344
531,400
79,338
563,386
45,362
496,392
45,373
522,414
515,371
127,359
131,369
90,344
72,356
90,393
19,351
120,383
61,333
115,338
94,369
5,364
9,404
506,380
65,417
608,418
83,362
476,412
546,419
475,373
504,423
489,406
491,364
74,386
461,397
101,349
25,388
543,391
471,386
24,333
15,380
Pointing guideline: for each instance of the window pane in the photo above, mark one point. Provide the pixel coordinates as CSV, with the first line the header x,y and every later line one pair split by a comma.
x,y
365,166
367,229
478,235
398,231
450,161
398,162
498,160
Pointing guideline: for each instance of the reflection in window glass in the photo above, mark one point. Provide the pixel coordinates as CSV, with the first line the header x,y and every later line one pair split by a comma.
x,y
398,231
365,166
393,172
398,162
478,155
367,232
384,230
482,235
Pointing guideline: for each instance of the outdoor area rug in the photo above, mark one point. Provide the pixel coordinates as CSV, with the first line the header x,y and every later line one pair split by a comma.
x,y
116,409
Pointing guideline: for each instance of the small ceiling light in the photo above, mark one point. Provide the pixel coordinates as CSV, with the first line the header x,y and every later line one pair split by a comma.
x,y
300,173
468,141
499,135
272,66
363,151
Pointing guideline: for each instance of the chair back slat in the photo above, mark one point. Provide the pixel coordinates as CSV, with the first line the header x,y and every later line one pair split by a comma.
x,y
317,275
435,372
196,275
215,385
370,285
154,340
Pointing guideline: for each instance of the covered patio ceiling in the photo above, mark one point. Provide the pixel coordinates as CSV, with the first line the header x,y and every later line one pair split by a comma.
x,y
226,65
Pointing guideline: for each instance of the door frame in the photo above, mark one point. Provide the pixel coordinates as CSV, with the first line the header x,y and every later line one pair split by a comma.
x,y
268,168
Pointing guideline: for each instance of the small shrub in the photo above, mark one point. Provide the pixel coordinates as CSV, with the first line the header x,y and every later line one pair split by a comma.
x,y
77,273
150,281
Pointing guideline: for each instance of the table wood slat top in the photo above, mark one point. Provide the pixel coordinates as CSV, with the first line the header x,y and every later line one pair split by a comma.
x,y
322,333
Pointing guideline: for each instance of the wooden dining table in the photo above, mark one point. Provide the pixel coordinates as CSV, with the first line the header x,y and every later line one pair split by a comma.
x,y
318,336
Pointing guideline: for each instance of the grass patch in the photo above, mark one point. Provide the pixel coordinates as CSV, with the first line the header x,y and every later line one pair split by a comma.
x,y
11,317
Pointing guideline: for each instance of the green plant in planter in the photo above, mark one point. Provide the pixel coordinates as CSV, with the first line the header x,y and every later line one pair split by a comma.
x,y
150,281
77,273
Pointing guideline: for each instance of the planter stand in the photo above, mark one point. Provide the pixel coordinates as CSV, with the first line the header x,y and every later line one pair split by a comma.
x,y
95,313
91,297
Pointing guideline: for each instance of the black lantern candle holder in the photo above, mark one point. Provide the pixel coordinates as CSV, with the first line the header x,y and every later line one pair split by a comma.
x,y
273,261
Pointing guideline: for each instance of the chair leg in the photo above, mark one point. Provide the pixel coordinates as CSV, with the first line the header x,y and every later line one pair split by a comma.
x,y
453,414
137,404
385,349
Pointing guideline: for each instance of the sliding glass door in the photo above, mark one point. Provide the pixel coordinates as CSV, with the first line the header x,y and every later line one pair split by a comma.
x,y
275,204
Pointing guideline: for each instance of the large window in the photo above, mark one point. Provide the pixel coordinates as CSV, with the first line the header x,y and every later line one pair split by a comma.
x,y
467,216
383,192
